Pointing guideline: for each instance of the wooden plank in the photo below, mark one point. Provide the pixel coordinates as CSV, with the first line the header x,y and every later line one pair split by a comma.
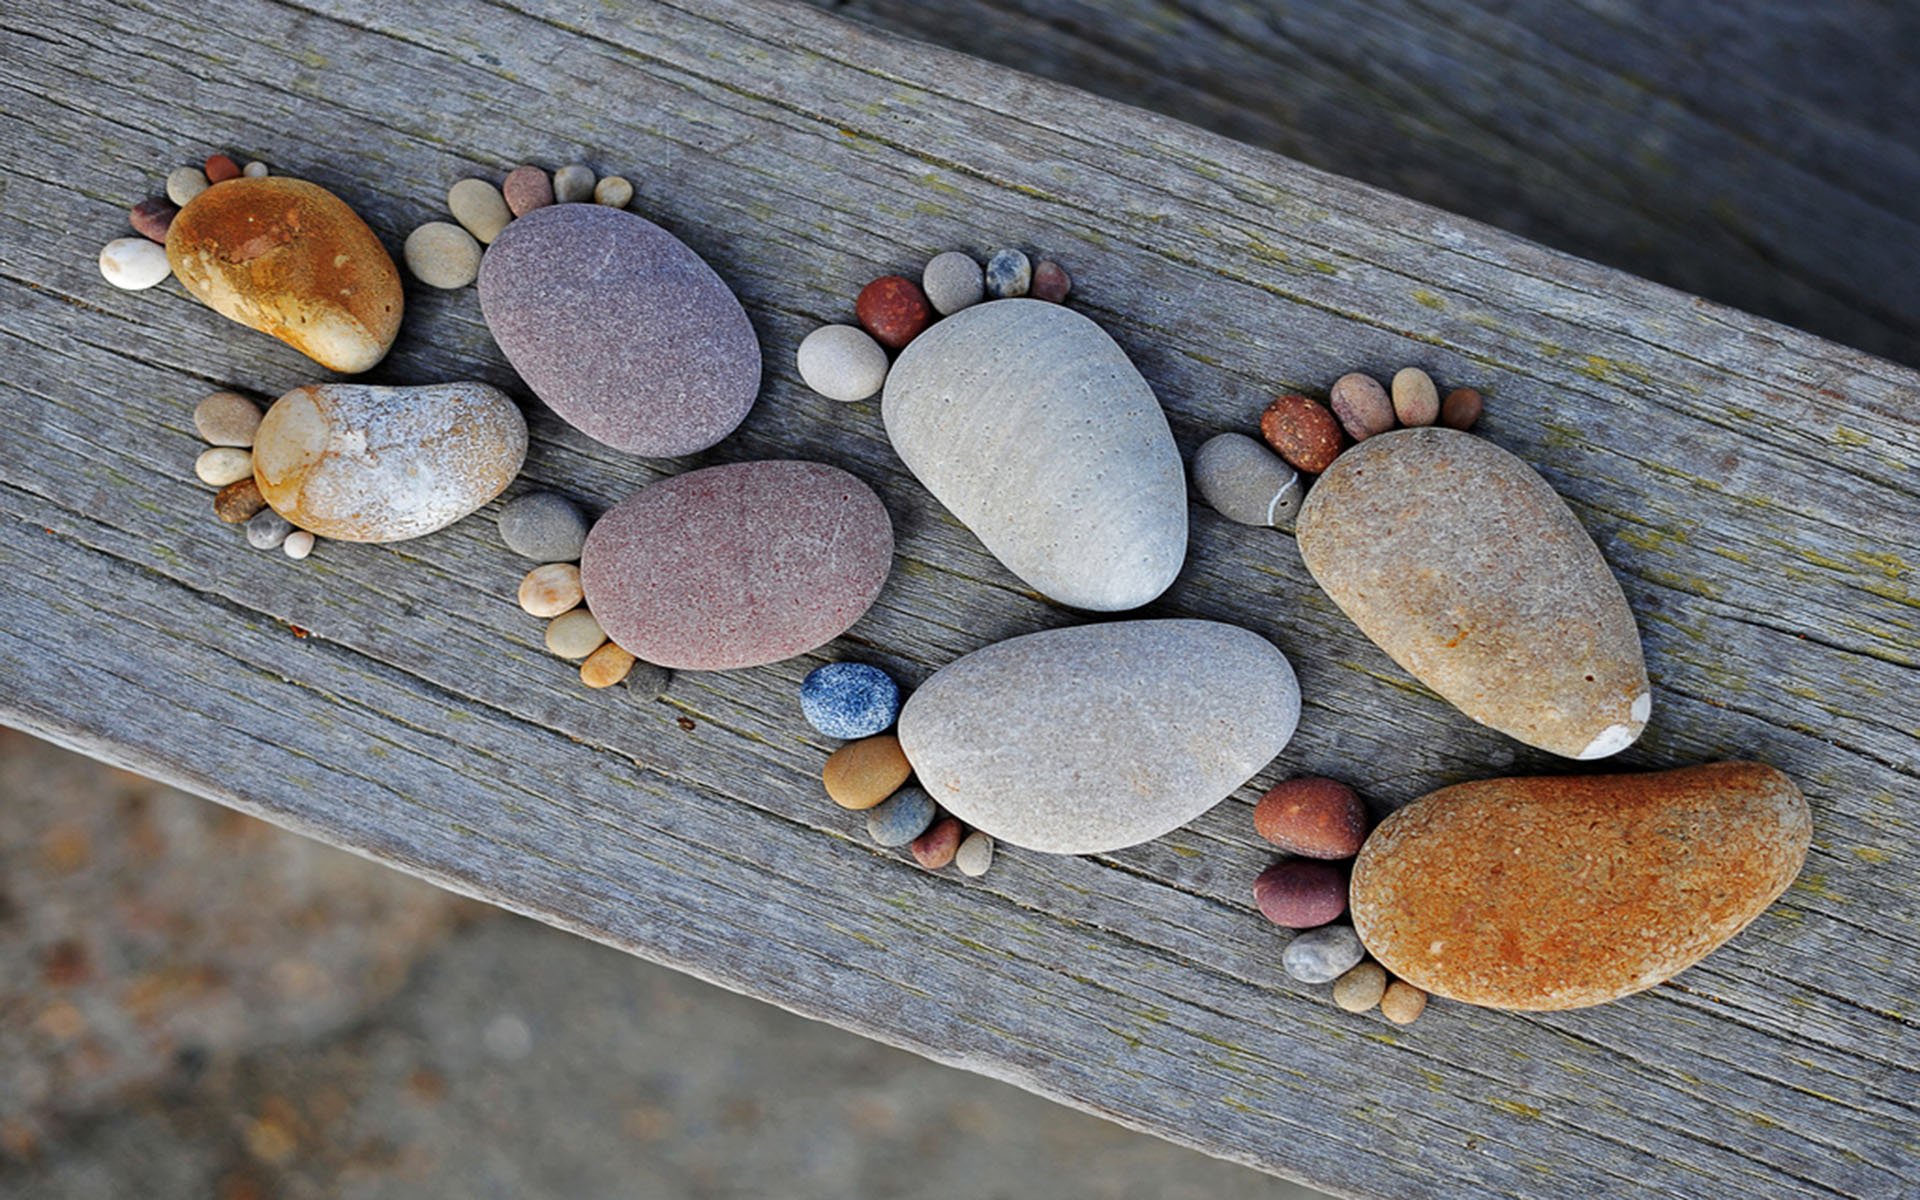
x,y
1744,150
1752,485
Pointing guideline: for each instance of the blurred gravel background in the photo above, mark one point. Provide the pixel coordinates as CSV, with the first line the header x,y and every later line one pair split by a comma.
x,y
196,1004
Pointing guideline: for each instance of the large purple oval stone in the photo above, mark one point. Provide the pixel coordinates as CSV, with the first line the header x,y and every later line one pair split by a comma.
x,y
739,565
620,328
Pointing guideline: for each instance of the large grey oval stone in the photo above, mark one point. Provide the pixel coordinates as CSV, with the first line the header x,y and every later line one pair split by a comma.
x,y
1468,569
1034,429
620,328
1089,739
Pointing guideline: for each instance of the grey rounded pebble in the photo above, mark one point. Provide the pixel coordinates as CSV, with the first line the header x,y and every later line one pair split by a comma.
x,y
901,817
255,170
647,681
1415,400
953,281
299,544
975,854
573,184
1323,955
1246,482
543,526
443,255
226,419
266,529
613,191
480,207
842,362
1009,274
1361,404
184,183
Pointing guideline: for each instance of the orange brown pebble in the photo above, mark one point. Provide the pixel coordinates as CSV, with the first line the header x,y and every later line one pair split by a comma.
x,y
861,774
1313,816
1302,431
237,502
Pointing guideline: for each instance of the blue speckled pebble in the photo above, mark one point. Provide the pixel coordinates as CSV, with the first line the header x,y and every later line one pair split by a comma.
x,y
849,700
1009,274
1323,955
901,817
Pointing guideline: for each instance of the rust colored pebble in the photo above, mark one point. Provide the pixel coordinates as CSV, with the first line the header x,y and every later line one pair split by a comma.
x,y
527,188
1301,893
1050,283
237,502
606,666
1314,816
220,168
1303,432
1461,409
936,847
1403,1003
894,310
861,774
151,218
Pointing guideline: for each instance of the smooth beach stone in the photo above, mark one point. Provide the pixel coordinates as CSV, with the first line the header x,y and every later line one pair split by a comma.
x,y
543,526
667,569
849,700
842,362
901,817
548,591
1362,405
255,170
575,634
621,329
975,855
1416,401
606,666
935,848
1050,283
613,191
185,183
1322,955
953,281
647,681
1361,988
443,255
573,184
861,774
267,529
1302,431
1009,274
1030,424
1313,816
134,264
1301,893
151,218
1244,481
1461,563
360,463
299,544
238,501
1097,737
290,259
220,168
1402,1003
226,419
1461,409
525,189
222,465
1549,892
480,207
894,310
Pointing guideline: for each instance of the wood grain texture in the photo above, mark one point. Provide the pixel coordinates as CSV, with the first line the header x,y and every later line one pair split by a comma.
x,y
1753,487
1747,150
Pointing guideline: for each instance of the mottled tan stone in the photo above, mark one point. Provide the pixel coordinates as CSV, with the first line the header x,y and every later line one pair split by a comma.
x,y
1550,893
861,774
1461,563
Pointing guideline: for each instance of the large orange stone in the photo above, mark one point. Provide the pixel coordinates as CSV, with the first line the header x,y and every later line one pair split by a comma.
x,y
1551,893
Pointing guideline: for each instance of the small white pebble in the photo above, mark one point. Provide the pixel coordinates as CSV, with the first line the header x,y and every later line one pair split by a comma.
x,y
223,465
842,362
134,264
613,191
184,183
255,170
975,854
550,590
575,634
299,544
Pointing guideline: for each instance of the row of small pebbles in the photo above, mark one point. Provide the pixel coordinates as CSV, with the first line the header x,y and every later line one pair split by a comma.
x,y
1310,435
134,264
848,363
446,255
228,422
870,773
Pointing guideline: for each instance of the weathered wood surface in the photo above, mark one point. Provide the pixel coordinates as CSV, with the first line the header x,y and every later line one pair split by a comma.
x,y
1752,485
1749,151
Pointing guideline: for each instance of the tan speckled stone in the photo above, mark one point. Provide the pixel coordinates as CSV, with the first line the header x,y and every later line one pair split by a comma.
x,y
1402,1003
1551,893
549,590
861,774
606,666
1461,563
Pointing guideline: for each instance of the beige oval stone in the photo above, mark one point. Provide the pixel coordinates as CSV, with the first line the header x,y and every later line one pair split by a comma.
x,y
606,666
861,774
575,634
290,259
548,591
1466,567
360,463
1550,893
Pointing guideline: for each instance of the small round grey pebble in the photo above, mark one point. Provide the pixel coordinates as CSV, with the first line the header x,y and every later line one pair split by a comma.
x,y
975,854
255,170
299,544
266,529
1244,481
184,183
613,191
901,817
543,526
1009,274
952,281
480,207
1323,955
841,362
226,419
573,184
443,255
646,681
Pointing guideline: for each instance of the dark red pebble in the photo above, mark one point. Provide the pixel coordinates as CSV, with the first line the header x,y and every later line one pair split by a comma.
x,y
1301,893
151,218
220,168
894,310
936,847
1461,410
1314,816
1050,283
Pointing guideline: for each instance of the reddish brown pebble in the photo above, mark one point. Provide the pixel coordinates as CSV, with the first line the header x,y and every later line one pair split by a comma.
x,y
220,168
1403,1003
1317,817
894,310
1050,283
527,188
1362,405
1301,893
1461,410
237,502
936,847
1303,432
151,218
